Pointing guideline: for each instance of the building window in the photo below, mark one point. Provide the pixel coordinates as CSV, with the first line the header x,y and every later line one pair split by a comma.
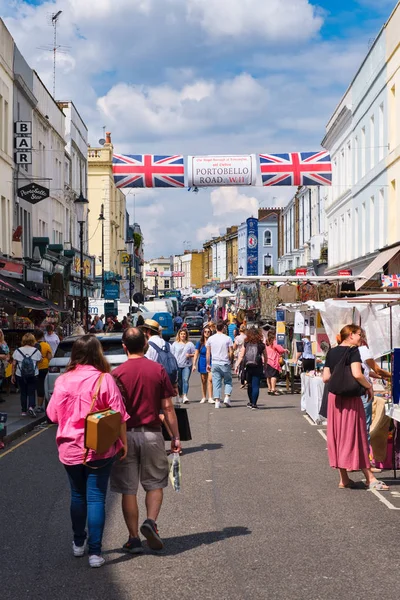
x,y
166,284
382,212
363,148
372,142
267,238
372,224
381,126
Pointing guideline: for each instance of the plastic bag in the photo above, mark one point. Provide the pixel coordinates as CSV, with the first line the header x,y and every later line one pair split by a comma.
x,y
175,473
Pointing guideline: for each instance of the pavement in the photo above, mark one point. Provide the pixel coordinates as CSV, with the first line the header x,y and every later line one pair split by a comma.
x,y
17,426
260,516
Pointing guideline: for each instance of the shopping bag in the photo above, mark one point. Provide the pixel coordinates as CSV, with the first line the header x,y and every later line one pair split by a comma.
x,y
183,426
175,473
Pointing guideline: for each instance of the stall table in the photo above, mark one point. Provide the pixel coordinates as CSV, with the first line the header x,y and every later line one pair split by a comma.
x,y
312,390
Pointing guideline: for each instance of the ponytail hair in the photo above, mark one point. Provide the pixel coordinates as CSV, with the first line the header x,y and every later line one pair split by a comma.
x,y
346,331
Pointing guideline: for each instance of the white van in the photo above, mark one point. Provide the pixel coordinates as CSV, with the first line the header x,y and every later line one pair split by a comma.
x,y
164,305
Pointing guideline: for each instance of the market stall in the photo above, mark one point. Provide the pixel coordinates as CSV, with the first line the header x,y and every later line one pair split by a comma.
x,y
312,390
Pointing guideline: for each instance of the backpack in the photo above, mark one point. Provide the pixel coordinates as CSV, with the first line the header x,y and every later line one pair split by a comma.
x,y
252,356
167,360
27,366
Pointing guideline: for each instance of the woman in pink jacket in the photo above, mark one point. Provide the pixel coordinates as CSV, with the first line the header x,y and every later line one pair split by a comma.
x,y
69,405
273,368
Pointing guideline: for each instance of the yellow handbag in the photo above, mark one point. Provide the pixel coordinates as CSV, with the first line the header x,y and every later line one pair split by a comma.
x,y
102,427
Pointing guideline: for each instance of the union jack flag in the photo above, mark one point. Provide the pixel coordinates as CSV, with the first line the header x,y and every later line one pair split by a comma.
x,y
296,168
390,281
148,170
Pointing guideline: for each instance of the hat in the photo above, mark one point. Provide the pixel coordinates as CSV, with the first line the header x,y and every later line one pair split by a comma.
x,y
150,324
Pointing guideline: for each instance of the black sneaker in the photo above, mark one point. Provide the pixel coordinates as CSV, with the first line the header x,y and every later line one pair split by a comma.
x,y
133,546
249,405
254,407
150,532
31,412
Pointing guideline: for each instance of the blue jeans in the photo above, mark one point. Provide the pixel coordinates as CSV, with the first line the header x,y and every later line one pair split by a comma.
x,y
219,373
88,500
27,390
368,415
253,378
184,374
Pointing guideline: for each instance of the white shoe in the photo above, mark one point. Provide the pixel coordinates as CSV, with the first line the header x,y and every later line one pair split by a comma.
x,y
211,401
185,399
217,404
96,561
78,550
227,402
203,400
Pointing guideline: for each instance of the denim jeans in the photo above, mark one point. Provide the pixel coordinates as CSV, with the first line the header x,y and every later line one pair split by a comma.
x,y
88,500
253,378
368,415
27,390
219,373
183,379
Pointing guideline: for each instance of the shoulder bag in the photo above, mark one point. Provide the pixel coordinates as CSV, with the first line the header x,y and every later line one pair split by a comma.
x,y
342,382
102,427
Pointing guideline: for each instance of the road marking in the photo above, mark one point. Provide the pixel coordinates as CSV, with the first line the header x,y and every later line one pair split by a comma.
x,y
310,421
3,454
384,500
322,432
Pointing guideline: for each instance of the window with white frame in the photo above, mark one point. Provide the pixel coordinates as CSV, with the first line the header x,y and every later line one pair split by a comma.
x,y
267,237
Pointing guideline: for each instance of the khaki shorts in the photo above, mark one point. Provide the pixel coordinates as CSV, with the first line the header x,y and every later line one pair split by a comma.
x,y
146,462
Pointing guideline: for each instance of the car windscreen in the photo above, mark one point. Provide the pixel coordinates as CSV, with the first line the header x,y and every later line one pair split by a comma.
x,y
110,348
194,321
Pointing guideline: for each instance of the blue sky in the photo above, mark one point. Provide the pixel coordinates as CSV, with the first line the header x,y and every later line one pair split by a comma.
x,y
201,77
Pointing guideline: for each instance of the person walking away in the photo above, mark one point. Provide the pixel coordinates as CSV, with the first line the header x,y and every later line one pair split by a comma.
x,y
43,366
4,358
371,370
200,363
25,372
237,346
306,355
220,354
273,368
86,378
253,356
233,329
183,350
347,435
147,391
178,321
51,338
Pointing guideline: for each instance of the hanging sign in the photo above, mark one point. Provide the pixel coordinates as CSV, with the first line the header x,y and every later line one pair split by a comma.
x,y
23,142
345,272
33,193
301,272
252,246
125,259
392,281
111,290
212,171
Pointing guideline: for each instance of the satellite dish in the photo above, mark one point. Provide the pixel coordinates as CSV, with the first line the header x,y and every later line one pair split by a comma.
x,y
102,141
138,298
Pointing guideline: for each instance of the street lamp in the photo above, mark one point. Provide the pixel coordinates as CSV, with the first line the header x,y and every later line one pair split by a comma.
x,y
240,271
267,264
80,208
230,277
102,219
156,282
129,245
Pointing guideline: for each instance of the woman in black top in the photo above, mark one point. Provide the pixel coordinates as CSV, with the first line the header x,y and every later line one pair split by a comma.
x,y
347,434
253,347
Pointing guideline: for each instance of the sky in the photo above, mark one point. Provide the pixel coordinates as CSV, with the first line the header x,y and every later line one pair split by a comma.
x,y
200,77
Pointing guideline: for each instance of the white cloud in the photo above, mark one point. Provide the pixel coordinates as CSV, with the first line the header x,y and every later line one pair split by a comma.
x,y
273,20
207,232
227,200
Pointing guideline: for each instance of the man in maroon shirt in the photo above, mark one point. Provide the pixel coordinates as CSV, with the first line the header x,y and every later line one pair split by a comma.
x,y
146,389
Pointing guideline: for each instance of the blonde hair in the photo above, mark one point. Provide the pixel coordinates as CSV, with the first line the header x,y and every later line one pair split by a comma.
x,y
178,335
28,340
346,332
242,328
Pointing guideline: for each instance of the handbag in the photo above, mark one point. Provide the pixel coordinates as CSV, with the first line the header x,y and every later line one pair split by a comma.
x,y
342,382
102,427
183,425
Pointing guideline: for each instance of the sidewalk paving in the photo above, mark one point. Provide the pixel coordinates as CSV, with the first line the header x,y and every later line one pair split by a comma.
x,y
16,424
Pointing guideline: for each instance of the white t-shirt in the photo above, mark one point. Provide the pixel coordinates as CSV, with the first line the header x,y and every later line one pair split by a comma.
x,y
220,345
53,340
180,351
365,354
34,353
151,353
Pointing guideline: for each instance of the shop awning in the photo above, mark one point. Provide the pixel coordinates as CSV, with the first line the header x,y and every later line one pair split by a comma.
x,y
376,265
12,291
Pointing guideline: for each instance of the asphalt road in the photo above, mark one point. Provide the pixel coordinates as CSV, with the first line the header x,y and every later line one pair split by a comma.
x,y
260,516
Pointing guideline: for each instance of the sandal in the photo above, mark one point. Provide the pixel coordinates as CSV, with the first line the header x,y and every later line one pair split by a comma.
x,y
378,485
350,485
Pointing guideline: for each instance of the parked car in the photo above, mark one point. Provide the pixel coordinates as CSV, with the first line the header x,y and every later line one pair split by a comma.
x,y
190,304
193,324
112,348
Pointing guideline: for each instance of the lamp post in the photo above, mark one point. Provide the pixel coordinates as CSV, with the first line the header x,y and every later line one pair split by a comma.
x,y
102,219
80,206
267,264
156,282
230,277
240,271
129,245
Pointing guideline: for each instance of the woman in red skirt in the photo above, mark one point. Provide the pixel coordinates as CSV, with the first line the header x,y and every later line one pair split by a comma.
x,y
347,434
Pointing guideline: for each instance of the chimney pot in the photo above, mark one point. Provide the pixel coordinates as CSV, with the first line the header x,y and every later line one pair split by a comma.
x,y
108,137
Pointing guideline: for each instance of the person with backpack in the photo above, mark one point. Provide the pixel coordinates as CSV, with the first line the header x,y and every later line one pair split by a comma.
x,y
252,358
25,372
159,350
43,366
184,351
273,369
